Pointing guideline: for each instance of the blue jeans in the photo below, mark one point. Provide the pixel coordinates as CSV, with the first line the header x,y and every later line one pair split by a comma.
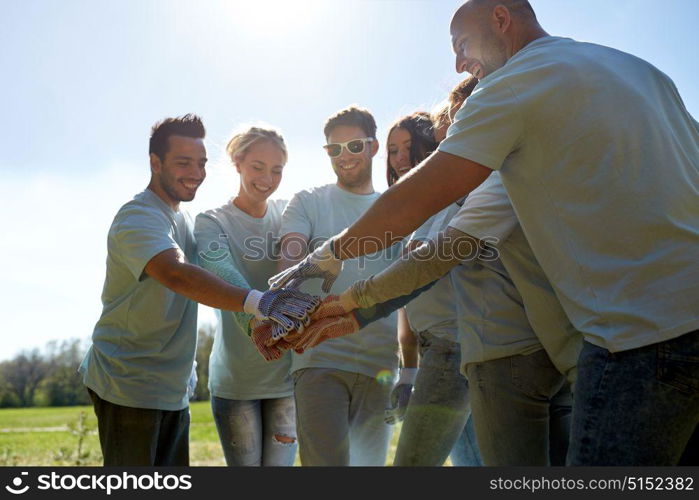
x,y
638,407
256,432
436,415
521,410
465,452
340,418
141,436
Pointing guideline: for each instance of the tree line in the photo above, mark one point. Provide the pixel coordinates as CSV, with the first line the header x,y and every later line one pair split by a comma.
x,y
49,376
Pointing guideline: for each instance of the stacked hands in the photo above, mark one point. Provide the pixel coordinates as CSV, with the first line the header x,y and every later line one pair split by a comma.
x,y
313,321
332,318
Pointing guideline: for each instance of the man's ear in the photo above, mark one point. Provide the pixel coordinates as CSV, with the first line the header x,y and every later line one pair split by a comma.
x,y
501,18
374,147
155,164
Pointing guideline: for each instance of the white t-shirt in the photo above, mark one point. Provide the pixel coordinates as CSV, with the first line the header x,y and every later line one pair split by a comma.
x,y
600,159
320,213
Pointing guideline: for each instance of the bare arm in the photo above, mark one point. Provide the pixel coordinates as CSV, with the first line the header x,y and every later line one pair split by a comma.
x,y
407,340
438,181
171,269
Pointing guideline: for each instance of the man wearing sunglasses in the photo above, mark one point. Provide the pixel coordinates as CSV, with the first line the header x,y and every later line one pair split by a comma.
x,y
342,386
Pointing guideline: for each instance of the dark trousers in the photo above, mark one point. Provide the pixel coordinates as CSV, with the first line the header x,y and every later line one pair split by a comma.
x,y
638,407
140,436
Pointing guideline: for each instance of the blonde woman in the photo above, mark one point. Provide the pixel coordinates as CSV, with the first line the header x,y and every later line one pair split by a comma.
x,y
252,399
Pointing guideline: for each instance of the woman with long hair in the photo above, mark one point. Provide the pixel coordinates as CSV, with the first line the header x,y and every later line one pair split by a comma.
x,y
431,399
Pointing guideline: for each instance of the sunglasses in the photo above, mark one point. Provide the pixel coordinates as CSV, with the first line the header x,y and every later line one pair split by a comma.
x,y
354,146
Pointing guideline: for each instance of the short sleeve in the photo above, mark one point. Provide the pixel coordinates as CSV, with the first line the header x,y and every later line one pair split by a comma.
x,y
488,127
295,218
212,241
487,212
215,256
139,235
215,253
422,233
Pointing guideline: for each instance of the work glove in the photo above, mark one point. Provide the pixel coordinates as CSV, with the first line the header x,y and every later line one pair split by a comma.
x,y
335,305
285,307
400,396
321,263
321,330
271,349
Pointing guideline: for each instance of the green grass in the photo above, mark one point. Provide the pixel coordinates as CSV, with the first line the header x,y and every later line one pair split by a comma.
x,y
41,436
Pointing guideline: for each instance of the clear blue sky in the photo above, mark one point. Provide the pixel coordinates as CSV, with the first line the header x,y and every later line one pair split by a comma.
x,y
83,81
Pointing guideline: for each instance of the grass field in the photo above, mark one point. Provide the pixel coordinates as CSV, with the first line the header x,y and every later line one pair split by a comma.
x,y
50,436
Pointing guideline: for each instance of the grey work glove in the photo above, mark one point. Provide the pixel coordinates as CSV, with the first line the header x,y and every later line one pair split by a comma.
x,y
400,396
321,263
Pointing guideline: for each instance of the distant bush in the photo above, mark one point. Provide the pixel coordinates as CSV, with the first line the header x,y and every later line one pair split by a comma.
x,y
51,378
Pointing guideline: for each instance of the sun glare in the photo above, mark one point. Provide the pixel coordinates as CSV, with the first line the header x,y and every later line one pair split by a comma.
x,y
274,17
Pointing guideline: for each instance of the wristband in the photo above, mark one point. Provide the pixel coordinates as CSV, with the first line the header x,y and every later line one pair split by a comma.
x,y
407,376
252,303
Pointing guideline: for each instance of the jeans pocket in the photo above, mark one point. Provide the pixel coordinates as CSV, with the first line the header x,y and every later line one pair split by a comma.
x,y
295,376
535,376
678,366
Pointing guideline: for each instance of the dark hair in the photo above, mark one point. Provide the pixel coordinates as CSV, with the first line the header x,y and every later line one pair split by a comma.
x,y
422,141
352,116
189,125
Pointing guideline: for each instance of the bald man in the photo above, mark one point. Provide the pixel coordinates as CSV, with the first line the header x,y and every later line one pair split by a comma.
x,y
600,159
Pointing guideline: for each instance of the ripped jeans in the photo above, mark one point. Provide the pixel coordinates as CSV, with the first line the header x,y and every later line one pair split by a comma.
x,y
256,432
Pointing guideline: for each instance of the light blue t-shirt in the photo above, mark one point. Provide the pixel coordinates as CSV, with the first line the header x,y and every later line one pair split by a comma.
x,y
318,214
236,369
143,345
600,159
435,310
488,214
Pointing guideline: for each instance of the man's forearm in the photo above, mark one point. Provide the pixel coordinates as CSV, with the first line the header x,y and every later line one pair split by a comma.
x,y
226,270
204,287
438,181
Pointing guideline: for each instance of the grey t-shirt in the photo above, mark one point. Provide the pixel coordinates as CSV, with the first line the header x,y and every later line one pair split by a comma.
x,y
318,214
488,214
599,157
236,368
144,342
435,310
